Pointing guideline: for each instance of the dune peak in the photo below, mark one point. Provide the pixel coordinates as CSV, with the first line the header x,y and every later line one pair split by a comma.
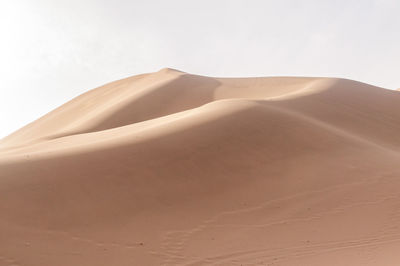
x,y
169,70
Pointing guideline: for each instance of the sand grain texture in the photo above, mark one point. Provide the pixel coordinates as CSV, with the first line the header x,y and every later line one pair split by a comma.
x,y
169,168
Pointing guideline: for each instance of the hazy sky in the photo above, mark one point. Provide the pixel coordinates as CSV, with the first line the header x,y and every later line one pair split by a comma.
x,y
53,50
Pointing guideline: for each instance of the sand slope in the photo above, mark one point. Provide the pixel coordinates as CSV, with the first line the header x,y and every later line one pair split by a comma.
x,y
170,168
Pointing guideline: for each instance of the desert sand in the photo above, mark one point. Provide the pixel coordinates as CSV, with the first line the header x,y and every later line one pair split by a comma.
x,y
170,168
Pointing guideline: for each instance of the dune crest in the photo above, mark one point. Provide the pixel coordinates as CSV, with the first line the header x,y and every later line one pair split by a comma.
x,y
170,168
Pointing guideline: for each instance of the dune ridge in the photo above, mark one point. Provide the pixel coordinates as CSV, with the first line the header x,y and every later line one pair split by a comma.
x,y
170,168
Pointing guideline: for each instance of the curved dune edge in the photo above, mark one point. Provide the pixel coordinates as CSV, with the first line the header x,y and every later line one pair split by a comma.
x,y
170,168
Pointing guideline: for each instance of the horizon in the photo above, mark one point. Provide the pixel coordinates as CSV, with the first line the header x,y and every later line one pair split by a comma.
x,y
56,51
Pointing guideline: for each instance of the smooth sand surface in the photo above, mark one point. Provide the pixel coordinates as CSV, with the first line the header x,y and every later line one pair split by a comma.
x,y
169,168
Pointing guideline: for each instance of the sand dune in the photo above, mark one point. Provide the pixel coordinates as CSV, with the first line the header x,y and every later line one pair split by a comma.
x,y
170,168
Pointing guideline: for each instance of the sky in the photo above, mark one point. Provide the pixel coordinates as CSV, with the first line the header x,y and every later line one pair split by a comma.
x,y
52,51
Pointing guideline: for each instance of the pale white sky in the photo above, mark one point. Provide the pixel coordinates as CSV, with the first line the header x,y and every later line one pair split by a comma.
x,y
53,50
